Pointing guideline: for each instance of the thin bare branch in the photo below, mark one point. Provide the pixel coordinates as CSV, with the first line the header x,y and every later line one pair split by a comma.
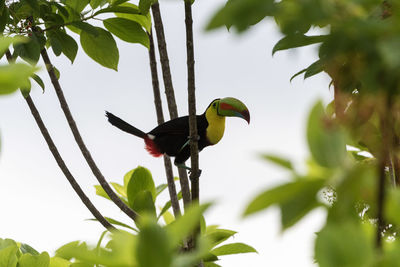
x,y
160,119
169,91
78,138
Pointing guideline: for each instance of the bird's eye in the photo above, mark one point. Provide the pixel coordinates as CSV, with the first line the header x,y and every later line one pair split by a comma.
x,y
214,105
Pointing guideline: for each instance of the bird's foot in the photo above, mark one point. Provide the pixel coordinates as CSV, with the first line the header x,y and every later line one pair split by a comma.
x,y
195,138
198,173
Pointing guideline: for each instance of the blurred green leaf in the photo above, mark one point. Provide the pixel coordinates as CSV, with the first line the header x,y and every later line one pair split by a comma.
x,y
96,3
278,161
211,264
127,30
100,192
217,236
287,194
101,48
233,248
297,40
14,76
344,244
29,51
25,248
326,141
8,250
86,27
28,260
168,204
168,217
141,180
59,262
242,14
115,222
314,69
5,42
184,225
153,249
392,207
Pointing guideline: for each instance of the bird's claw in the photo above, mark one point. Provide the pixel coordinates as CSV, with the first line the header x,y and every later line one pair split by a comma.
x,y
198,173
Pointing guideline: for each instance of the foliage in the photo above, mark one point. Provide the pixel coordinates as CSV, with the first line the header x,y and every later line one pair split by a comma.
x,y
357,47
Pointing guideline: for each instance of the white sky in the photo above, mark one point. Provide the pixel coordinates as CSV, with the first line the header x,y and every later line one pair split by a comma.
x,y
39,207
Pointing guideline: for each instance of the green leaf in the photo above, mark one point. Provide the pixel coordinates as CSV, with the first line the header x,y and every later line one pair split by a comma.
x,y
33,4
8,250
392,207
160,188
285,194
77,5
28,260
59,262
86,27
182,226
168,217
144,5
233,248
5,42
144,203
115,222
345,244
127,30
95,3
217,236
119,9
153,249
26,88
68,44
143,20
29,51
314,69
211,264
168,204
120,189
141,180
38,80
279,161
25,248
100,192
297,40
4,15
14,76
101,48
325,139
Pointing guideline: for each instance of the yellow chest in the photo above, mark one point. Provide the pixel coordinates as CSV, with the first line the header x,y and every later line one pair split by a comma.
x,y
216,127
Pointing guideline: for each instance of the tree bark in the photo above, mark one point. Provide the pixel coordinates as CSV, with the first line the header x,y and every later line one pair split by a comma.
x,y
160,119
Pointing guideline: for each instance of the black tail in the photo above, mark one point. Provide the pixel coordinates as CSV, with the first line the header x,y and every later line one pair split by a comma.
x,y
124,126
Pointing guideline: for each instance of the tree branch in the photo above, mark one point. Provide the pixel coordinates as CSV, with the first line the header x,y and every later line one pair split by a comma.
x,y
78,138
160,119
194,150
169,91
53,149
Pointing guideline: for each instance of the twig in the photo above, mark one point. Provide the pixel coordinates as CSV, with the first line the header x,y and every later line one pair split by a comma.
x,y
194,150
384,158
169,91
53,149
160,119
78,138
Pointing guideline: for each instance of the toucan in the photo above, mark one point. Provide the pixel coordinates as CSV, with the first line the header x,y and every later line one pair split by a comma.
x,y
172,137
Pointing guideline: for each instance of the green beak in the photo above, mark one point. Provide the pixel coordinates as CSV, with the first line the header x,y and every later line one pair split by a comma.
x,y
232,107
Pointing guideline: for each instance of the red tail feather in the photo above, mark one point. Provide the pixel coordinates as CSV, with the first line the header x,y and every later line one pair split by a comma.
x,y
151,147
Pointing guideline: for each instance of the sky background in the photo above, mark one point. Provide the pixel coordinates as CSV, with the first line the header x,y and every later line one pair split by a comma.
x,y
39,207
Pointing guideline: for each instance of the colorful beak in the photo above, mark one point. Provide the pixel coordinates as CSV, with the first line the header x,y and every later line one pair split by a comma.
x,y
232,107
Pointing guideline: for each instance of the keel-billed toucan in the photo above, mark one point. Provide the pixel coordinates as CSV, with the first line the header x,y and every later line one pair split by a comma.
x,y
172,137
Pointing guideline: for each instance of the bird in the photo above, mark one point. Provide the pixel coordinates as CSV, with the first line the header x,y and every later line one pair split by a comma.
x,y
172,137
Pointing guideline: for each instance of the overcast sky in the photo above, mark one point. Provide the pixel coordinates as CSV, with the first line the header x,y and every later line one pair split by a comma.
x,y
39,207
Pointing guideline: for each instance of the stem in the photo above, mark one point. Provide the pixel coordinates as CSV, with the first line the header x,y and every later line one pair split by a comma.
x,y
194,150
160,119
78,138
384,159
169,91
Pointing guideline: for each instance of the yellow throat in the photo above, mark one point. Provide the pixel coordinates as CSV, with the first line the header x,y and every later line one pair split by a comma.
x,y
216,125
